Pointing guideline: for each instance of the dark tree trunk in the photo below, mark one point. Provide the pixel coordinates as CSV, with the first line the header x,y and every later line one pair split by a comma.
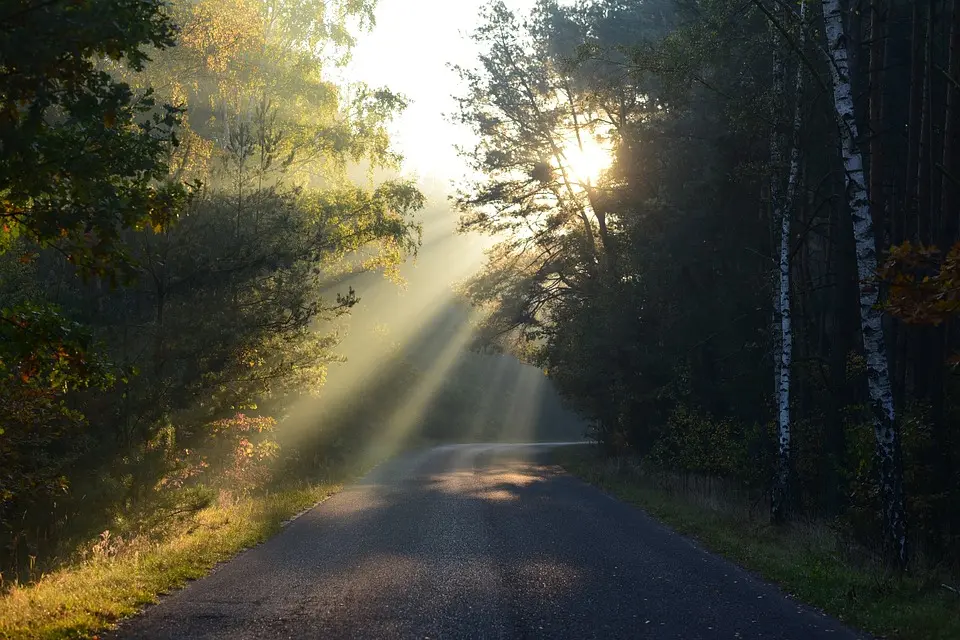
x,y
951,129
876,128
905,226
925,155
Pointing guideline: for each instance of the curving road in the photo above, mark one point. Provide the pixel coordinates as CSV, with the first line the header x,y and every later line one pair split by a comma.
x,y
478,541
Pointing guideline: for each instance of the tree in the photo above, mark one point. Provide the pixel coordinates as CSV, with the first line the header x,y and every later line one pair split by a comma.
x,y
84,157
783,206
878,375
204,313
664,344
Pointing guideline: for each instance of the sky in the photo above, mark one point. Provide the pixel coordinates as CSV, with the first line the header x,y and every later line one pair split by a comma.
x,y
408,51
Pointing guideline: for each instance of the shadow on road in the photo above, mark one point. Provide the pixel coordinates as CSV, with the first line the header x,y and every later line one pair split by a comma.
x,y
479,541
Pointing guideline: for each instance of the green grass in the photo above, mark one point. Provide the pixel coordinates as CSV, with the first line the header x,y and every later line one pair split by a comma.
x,y
808,560
118,578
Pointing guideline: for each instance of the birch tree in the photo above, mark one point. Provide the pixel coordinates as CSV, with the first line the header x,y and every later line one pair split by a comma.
x,y
782,312
878,375
781,339
662,356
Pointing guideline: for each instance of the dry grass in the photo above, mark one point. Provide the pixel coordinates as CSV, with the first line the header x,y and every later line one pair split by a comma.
x,y
809,560
118,577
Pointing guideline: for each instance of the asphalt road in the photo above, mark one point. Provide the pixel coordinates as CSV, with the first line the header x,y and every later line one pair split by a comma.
x,y
478,541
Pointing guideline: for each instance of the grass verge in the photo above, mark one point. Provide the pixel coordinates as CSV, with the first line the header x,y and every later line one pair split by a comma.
x,y
116,580
808,560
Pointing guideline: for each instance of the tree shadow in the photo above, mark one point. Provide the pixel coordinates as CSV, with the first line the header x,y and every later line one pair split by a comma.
x,y
462,542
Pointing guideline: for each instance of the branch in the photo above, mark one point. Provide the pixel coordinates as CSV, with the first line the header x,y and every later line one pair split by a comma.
x,y
776,24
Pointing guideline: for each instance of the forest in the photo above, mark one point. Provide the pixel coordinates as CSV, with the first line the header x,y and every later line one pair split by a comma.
x,y
194,198
175,201
728,232
761,286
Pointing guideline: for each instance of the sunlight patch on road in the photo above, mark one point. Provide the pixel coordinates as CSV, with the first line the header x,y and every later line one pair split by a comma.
x,y
501,485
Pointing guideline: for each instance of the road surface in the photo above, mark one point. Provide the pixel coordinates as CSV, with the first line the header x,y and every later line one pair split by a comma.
x,y
478,541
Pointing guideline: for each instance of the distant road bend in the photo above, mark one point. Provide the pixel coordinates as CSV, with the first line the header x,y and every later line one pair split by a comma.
x,y
478,541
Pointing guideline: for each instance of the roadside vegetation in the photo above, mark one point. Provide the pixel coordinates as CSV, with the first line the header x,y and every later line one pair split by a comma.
x,y
114,577
814,561
176,210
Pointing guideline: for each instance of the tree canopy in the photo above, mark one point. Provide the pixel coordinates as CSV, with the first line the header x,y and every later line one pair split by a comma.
x,y
642,281
175,205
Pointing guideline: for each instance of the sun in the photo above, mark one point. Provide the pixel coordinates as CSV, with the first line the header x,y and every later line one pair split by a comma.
x,y
586,159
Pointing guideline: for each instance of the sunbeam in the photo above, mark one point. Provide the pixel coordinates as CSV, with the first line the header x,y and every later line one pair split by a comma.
x,y
525,406
408,375
413,410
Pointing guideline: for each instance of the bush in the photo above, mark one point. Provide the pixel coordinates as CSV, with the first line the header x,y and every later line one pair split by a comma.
x,y
695,442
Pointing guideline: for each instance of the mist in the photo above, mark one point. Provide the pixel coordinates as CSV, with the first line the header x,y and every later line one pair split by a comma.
x,y
414,372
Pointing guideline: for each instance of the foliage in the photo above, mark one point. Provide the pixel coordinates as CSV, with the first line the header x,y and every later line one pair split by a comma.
x,y
176,216
694,443
235,453
41,347
43,357
95,149
645,290
266,61
922,284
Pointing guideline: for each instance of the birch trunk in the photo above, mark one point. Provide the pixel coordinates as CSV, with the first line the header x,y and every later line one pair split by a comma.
x,y
786,313
776,205
878,376
778,496
784,332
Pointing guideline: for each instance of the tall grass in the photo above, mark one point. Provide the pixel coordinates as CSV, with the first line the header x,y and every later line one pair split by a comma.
x,y
115,577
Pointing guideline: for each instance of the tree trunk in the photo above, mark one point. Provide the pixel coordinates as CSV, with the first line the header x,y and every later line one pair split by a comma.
x,y
878,375
925,156
914,127
158,355
784,341
951,129
877,64
935,149
778,495
949,228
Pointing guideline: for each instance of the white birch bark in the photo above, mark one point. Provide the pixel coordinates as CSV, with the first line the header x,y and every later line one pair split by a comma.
x,y
781,292
878,375
783,310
